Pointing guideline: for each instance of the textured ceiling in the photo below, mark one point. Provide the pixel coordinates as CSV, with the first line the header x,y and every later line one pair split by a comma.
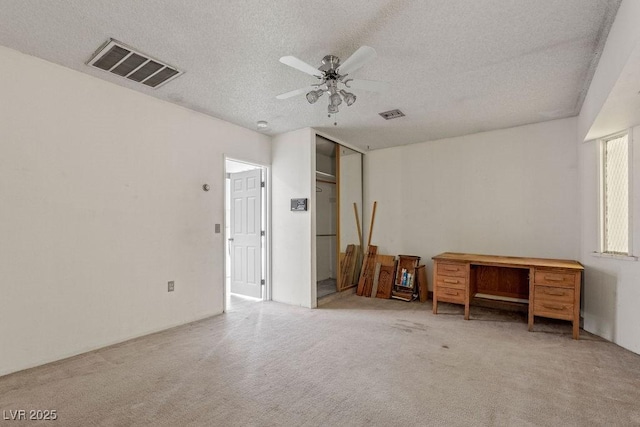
x,y
456,66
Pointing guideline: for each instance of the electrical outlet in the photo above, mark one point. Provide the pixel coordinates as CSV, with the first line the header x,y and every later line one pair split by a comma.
x,y
217,228
170,287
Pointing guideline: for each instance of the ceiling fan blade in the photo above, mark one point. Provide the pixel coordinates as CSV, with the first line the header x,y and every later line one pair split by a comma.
x,y
368,85
295,92
300,65
360,57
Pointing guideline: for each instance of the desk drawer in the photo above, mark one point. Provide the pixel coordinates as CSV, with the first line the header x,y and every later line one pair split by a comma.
x,y
561,278
456,270
450,294
553,294
555,310
451,282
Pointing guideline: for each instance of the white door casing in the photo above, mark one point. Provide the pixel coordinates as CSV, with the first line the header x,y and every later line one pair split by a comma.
x,y
245,233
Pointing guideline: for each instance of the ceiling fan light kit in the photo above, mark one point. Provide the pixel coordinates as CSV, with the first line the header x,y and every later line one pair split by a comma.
x,y
333,73
349,98
335,100
313,96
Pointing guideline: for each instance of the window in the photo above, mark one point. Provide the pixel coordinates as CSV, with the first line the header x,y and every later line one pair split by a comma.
x,y
614,222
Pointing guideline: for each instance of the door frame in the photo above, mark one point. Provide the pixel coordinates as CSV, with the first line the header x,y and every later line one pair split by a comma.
x,y
265,211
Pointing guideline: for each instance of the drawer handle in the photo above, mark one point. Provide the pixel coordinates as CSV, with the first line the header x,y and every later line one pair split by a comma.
x,y
451,268
451,292
554,306
554,293
453,281
554,278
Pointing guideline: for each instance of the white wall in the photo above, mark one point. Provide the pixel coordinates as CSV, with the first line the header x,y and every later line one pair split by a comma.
x,y
100,205
611,286
293,241
505,192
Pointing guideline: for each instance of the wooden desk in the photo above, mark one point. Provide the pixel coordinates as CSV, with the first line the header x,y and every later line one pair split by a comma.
x,y
551,286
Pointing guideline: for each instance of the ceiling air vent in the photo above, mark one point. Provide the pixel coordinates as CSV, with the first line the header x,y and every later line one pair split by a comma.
x,y
392,114
120,59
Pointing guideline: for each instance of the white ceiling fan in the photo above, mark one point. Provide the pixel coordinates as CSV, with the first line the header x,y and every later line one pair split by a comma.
x,y
333,77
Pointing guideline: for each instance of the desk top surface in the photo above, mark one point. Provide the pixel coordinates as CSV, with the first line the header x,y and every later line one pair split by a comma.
x,y
509,260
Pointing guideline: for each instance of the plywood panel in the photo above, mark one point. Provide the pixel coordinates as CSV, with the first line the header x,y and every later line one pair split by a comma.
x,y
423,287
366,278
385,281
386,259
348,262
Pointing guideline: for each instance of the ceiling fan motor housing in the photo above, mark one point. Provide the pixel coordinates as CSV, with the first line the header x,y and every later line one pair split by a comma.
x,y
330,62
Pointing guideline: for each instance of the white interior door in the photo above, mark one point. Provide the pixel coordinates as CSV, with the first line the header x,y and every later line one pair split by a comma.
x,y
245,233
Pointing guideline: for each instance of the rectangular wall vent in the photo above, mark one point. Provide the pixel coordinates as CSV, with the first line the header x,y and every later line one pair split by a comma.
x,y
118,58
392,114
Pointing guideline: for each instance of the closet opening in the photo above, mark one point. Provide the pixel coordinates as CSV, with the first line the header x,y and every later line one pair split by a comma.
x,y
338,206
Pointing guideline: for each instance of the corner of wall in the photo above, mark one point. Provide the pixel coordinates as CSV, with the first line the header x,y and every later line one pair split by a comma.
x,y
623,37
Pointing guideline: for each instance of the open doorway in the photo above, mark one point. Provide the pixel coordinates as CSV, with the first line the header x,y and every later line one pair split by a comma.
x,y
245,234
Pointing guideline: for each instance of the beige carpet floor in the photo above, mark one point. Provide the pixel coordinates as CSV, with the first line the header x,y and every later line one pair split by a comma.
x,y
356,361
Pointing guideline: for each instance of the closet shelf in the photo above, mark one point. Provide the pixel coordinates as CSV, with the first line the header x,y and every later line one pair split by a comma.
x,y
325,175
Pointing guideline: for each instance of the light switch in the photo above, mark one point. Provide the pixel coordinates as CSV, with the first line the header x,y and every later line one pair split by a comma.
x,y
217,228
